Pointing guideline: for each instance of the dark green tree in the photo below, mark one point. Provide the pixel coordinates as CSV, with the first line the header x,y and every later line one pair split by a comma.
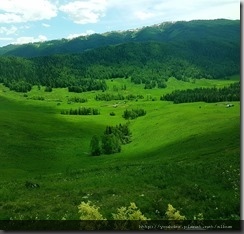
x,y
110,144
95,146
48,89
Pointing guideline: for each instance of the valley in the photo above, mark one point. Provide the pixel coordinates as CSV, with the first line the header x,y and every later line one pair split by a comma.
x,y
147,119
183,154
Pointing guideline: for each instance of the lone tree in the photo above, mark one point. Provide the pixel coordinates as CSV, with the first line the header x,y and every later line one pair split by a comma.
x,y
95,146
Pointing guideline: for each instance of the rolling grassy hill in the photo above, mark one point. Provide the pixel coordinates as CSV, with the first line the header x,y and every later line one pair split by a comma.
x,y
187,155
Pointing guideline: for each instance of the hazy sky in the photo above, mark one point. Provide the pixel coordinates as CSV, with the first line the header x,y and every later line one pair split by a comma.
x,y
23,21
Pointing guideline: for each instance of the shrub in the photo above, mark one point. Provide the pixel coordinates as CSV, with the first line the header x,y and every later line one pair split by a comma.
x,y
125,214
48,89
198,217
173,214
89,211
130,213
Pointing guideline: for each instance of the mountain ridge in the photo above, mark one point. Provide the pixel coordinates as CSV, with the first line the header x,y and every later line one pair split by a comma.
x,y
178,31
184,50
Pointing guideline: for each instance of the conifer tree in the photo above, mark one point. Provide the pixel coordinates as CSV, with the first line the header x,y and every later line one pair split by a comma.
x,y
95,146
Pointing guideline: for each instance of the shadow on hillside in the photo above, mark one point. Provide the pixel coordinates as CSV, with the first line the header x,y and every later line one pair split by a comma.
x,y
35,140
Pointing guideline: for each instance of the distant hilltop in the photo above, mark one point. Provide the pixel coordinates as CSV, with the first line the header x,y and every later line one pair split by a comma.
x,y
195,30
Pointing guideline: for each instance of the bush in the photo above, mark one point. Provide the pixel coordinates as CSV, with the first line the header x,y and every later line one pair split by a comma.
x,y
48,89
173,214
89,211
130,213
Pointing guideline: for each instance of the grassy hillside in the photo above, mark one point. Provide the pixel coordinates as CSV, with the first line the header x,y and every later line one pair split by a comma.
x,y
187,155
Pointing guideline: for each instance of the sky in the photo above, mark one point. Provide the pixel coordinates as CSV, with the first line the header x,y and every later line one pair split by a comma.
x,y
24,21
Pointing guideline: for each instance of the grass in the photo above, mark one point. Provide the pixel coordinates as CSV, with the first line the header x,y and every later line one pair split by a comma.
x,y
180,154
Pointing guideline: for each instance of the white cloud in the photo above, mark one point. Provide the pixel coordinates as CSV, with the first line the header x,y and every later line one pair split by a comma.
x,y
84,12
25,40
200,9
168,10
16,11
6,38
46,25
143,15
8,31
42,38
72,36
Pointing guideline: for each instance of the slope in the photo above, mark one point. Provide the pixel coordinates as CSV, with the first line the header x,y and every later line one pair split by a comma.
x,y
180,154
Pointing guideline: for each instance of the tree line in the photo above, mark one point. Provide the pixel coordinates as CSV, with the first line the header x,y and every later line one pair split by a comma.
x,y
85,85
19,86
81,111
148,63
110,97
77,100
231,93
134,113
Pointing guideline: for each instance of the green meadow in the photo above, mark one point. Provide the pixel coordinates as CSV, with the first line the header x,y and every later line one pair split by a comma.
x,y
187,155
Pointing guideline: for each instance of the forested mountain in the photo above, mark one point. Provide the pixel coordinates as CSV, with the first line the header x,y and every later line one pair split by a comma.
x,y
227,31
196,49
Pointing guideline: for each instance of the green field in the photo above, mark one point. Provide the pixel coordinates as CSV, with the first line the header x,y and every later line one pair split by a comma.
x,y
187,155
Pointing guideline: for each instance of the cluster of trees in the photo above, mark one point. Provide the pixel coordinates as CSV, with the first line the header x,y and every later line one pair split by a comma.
x,y
81,111
19,86
77,100
231,93
131,97
134,113
150,84
39,98
88,85
151,78
111,141
110,97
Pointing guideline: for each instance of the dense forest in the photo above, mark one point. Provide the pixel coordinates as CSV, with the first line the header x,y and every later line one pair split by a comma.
x,y
174,32
231,93
150,62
